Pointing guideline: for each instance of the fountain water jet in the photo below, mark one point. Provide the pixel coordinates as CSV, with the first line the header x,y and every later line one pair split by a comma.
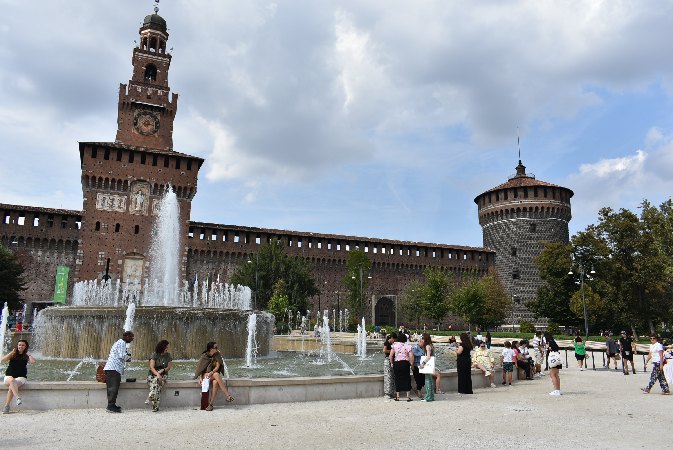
x,y
3,329
163,309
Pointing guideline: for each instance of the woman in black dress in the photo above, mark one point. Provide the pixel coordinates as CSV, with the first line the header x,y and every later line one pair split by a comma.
x,y
464,364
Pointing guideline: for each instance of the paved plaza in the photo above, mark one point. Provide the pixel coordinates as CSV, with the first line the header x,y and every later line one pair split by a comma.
x,y
599,409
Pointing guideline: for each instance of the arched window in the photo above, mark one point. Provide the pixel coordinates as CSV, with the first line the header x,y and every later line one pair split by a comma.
x,y
151,73
97,226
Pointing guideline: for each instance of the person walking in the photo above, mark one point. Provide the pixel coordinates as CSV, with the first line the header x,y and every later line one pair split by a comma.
x,y
17,372
610,350
388,376
464,364
656,355
429,350
401,359
580,352
114,369
160,363
626,348
555,363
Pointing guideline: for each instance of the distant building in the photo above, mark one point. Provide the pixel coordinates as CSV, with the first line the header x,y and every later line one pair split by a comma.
x,y
517,218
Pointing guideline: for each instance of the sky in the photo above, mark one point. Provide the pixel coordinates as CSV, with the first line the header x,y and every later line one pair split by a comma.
x,y
365,118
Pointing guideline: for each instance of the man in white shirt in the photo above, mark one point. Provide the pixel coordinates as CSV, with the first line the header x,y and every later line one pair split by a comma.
x,y
656,355
114,369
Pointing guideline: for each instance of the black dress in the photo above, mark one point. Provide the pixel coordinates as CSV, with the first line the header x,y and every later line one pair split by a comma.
x,y
464,366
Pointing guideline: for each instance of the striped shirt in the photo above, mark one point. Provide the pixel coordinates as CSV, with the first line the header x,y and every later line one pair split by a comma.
x,y
117,358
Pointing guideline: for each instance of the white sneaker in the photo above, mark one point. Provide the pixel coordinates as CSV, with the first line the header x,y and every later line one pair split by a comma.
x,y
581,369
555,393
492,385
18,401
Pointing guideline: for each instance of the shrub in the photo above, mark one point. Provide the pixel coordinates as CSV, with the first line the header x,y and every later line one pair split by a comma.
x,y
527,327
553,328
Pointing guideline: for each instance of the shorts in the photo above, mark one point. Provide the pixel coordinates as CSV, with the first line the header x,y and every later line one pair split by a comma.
x,y
628,357
580,357
560,366
611,355
508,367
20,381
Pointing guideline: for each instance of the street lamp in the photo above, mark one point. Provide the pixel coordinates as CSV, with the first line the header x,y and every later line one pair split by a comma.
x,y
255,293
338,307
584,302
362,303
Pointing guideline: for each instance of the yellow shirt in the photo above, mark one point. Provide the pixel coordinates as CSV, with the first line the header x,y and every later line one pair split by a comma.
x,y
483,357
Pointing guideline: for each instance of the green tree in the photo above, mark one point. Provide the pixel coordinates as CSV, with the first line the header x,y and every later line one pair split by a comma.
x,y
411,305
11,279
481,301
435,294
553,299
279,304
267,267
356,281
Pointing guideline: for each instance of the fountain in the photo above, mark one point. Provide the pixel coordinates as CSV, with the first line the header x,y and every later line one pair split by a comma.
x,y
158,308
361,343
251,348
3,329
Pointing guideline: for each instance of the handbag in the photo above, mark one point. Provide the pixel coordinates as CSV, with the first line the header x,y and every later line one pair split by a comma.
x,y
617,357
554,359
428,366
100,373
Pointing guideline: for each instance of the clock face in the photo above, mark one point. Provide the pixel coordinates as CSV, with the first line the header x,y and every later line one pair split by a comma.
x,y
146,122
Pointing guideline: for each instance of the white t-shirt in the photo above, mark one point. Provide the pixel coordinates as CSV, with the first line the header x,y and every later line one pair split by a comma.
x,y
507,355
537,341
654,350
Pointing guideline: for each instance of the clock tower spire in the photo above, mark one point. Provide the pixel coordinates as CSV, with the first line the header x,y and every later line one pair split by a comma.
x,y
146,106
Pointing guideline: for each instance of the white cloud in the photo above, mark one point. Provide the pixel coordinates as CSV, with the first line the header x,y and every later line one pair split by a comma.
x,y
615,167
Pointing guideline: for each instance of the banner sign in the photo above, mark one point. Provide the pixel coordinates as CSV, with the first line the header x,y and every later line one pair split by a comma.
x,y
61,288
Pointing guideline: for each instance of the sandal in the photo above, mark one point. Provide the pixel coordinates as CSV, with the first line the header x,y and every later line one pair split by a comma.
x,y
209,407
409,399
397,399
230,399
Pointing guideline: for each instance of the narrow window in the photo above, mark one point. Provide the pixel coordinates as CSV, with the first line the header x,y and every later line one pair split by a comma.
x,y
533,227
155,160
22,219
190,233
119,154
117,228
166,160
97,228
106,155
177,163
94,152
143,158
36,222
189,164
131,154
136,229
515,274
513,251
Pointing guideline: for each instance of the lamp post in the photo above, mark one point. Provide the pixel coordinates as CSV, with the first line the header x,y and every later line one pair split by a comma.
x,y
362,302
337,293
584,302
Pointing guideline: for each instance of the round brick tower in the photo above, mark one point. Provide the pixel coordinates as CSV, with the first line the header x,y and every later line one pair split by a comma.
x,y
517,218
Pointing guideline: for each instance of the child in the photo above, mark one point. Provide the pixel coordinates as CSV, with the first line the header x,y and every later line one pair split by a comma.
x,y
580,352
507,360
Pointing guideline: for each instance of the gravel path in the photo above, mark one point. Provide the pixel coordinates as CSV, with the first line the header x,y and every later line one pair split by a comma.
x,y
599,409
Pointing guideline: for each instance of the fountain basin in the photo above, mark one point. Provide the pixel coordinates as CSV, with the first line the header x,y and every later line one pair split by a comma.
x,y
90,331
89,394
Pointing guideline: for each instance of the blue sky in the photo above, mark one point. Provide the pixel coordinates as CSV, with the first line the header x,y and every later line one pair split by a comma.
x,y
367,118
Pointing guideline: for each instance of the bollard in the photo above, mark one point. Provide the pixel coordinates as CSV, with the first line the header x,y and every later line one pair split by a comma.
x,y
566,358
603,355
593,360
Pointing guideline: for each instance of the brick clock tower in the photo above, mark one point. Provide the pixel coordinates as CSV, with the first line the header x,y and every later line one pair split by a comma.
x,y
516,218
123,181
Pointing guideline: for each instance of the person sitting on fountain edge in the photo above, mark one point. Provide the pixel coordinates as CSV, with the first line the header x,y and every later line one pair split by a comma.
x,y
211,366
114,369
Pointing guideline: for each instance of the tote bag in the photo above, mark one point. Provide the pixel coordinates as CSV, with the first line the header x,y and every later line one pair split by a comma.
x,y
428,367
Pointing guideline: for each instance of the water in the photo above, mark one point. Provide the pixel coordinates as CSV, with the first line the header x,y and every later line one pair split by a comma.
x,y
162,286
361,343
280,365
251,348
3,329
130,315
165,253
325,339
